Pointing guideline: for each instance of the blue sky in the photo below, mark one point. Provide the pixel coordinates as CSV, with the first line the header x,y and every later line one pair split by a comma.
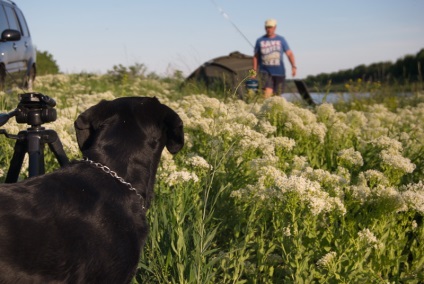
x,y
168,35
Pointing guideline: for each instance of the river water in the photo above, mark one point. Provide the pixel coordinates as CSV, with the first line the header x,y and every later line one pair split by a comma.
x,y
320,98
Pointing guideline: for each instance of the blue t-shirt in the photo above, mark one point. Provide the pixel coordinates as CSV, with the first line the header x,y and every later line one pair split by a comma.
x,y
271,51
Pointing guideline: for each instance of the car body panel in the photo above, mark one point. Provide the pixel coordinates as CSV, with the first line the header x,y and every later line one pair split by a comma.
x,y
17,56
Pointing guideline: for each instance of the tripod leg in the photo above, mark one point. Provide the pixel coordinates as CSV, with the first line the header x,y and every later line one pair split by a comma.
x,y
16,162
57,148
59,153
36,154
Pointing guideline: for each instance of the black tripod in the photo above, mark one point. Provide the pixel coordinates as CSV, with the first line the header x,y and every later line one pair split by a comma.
x,y
34,109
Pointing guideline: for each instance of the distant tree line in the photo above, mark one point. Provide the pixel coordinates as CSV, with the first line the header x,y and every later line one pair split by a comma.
x,y
46,64
408,69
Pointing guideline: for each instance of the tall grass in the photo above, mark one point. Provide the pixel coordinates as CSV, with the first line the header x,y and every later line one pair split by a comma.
x,y
268,191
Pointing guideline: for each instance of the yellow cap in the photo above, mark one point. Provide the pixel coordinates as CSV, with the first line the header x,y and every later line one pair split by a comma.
x,y
270,23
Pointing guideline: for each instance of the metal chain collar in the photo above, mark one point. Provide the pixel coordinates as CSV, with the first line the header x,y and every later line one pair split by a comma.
x,y
115,175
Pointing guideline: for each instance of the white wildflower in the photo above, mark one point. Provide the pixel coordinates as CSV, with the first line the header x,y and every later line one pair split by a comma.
x,y
239,194
186,120
181,177
64,126
327,260
294,123
300,163
284,142
270,172
404,136
299,185
203,124
339,130
338,205
368,238
414,225
274,104
375,178
391,197
167,165
325,111
324,177
188,141
198,162
343,174
387,143
12,127
318,205
306,115
287,231
418,187
319,130
361,193
397,161
248,119
266,127
356,119
414,200
310,192
257,164
351,158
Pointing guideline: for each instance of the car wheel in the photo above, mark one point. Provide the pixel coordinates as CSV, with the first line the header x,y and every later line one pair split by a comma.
x,y
29,80
2,77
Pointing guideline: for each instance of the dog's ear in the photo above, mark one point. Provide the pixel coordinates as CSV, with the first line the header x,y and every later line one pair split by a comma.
x,y
174,131
87,123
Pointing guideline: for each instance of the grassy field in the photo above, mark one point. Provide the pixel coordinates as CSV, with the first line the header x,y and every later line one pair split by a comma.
x,y
267,191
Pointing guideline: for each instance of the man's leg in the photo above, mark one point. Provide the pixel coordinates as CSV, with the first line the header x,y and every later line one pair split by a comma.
x,y
267,84
268,92
279,84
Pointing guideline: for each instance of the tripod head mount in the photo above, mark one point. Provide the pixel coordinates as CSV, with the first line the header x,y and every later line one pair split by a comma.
x,y
33,109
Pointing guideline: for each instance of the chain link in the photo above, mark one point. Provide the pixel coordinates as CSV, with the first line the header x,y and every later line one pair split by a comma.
x,y
114,175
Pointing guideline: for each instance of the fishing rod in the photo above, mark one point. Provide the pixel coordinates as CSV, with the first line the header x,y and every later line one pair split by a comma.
x,y
225,15
300,85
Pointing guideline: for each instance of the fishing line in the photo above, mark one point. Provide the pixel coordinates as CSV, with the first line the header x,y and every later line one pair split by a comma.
x,y
225,15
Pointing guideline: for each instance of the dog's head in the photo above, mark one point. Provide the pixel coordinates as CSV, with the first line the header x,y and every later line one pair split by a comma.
x,y
129,123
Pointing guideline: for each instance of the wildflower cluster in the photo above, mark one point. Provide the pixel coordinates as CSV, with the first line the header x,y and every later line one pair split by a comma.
x,y
327,260
271,192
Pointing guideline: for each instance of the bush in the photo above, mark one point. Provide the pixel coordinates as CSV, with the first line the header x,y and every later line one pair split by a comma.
x,y
46,63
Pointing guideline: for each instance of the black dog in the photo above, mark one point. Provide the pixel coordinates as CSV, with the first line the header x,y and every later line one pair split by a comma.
x,y
86,223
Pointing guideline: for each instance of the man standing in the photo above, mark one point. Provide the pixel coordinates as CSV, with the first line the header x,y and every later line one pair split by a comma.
x,y
268,60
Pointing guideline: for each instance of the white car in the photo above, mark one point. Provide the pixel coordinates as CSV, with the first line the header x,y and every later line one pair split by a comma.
x,y
17,54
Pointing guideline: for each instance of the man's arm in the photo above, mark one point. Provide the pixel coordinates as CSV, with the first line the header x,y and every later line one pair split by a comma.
x,y
290,56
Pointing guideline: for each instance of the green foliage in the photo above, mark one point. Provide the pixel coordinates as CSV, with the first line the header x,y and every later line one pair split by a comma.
x,y
46,64
267,191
